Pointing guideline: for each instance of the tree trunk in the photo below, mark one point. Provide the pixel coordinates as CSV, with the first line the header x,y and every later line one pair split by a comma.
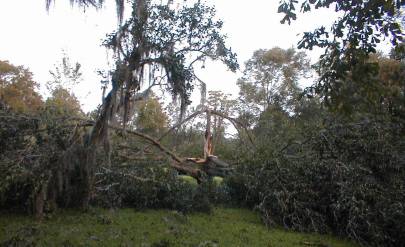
x,y
39,202
216,167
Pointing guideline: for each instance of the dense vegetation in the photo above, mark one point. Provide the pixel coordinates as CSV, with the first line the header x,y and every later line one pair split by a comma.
x,y
327,159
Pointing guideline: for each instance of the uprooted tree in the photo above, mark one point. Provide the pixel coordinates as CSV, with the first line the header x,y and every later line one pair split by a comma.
x,y
159,45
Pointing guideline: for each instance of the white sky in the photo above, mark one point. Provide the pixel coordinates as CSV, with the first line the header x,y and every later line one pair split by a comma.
x,y
34,38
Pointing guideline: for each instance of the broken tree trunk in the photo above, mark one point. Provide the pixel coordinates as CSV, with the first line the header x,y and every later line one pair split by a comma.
x,y
216,167
210,164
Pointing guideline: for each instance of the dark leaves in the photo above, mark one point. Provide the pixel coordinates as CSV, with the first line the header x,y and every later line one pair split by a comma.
x,y
350,40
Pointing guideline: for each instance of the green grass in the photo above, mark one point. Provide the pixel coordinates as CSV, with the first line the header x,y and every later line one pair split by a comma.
x,y
155,228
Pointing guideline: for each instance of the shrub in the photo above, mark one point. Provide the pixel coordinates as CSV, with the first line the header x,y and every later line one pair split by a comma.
x,y
145,187
348,179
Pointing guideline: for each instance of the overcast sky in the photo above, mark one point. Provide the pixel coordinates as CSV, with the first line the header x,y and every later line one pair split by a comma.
x,y
34,38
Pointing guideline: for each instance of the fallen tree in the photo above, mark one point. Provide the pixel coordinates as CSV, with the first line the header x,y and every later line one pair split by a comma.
x,y
144,53
63,171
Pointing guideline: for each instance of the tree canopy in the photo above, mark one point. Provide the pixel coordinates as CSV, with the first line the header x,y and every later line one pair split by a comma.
x,y
271,78
347,43
18,89
164,38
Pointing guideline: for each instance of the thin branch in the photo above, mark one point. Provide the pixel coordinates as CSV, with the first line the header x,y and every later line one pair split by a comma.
x,y
151,140
236,124
192,116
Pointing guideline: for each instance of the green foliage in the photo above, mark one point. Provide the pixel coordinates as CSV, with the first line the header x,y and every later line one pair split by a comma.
x,y
18,90
369,21
348,178
398,53
164,38
63,103
33,138
346,76
30,147
317,171
147,187
389,96
365,84
271,78
151,118
221,102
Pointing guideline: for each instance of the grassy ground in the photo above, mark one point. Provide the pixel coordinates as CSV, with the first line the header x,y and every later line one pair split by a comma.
x,y
155,228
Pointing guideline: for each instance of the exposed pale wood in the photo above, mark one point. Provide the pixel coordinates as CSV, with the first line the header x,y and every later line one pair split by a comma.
x,y
208,136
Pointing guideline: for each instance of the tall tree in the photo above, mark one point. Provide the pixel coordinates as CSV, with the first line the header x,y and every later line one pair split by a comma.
x,y
63,103
150,117
271,78
390,90
65,76
17,88
221,102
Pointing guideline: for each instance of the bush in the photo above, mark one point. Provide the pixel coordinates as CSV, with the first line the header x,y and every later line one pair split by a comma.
x,y
32,175
25,155
348,179
145,187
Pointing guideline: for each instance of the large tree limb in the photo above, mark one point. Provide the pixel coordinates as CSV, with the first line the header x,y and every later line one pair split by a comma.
x,y
178,164
212,166
151,140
